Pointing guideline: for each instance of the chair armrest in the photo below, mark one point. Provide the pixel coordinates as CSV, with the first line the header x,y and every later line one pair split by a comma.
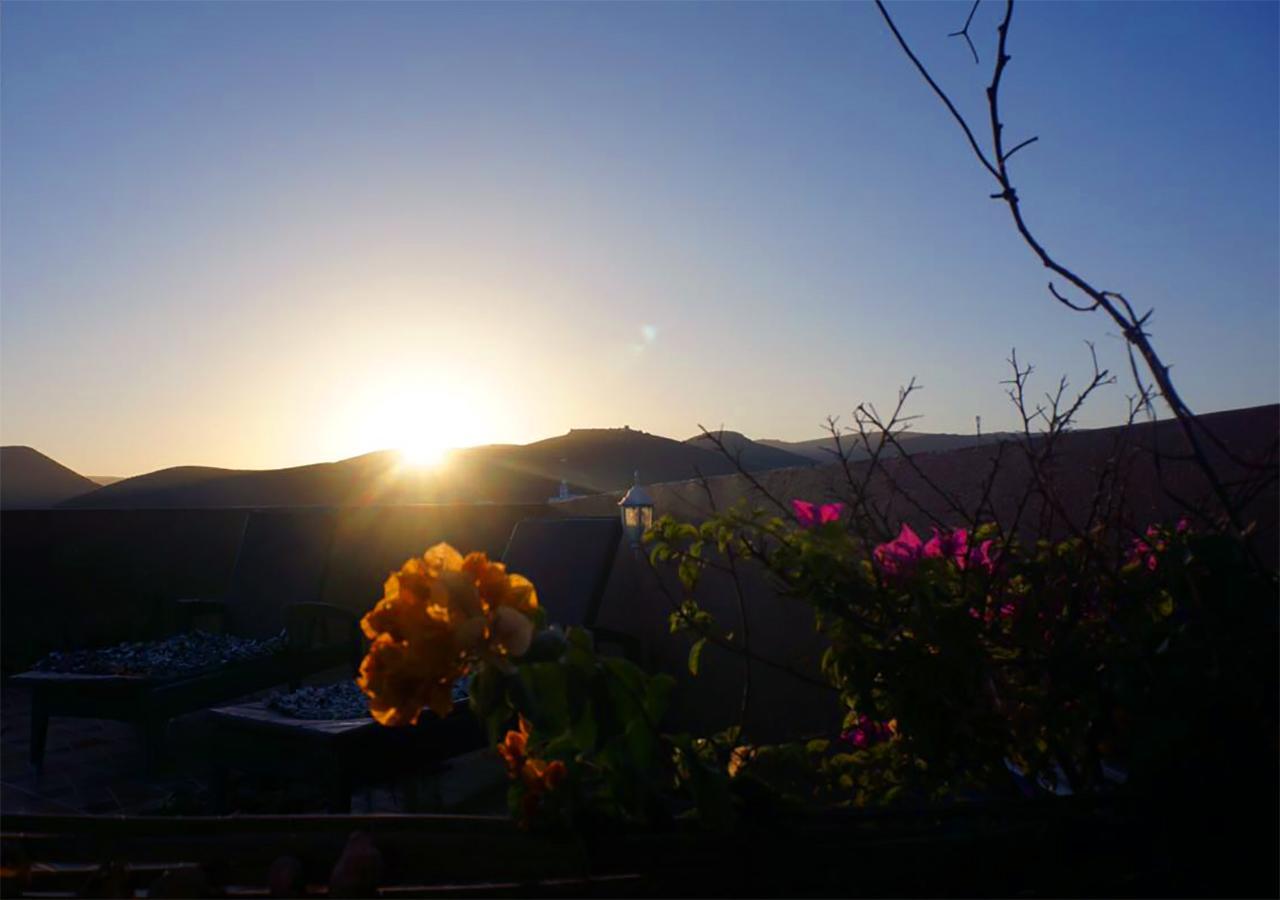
x,y
189,609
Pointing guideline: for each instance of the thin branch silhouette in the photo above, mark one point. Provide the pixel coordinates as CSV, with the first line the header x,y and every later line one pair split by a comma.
x,y
1114,305
964,32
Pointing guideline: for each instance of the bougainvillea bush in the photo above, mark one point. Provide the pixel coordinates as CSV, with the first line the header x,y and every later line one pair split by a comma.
x,y
971,664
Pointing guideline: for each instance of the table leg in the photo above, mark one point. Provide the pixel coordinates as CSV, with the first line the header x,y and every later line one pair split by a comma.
x,y
39,728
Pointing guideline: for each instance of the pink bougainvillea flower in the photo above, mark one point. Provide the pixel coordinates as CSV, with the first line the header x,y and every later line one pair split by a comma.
x,y
899,556
867,733
1145,550
948,545
981,557
830,512
811,514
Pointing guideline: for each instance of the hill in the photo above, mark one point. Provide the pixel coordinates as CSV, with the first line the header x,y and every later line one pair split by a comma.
x,y
605,459
822,449
31,480
591,460
754,455
375,478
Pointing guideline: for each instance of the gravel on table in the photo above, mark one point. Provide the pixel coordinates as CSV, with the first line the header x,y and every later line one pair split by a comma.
x,y
176,655
340,700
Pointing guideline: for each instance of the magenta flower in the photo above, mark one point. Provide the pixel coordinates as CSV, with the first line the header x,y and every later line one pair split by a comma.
x,y
867,733
899,556
948,545
1147,548
981,557
812,514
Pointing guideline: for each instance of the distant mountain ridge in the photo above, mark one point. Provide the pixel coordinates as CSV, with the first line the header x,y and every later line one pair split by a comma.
x,y
588,460
31,480
823,449
374,478
753,455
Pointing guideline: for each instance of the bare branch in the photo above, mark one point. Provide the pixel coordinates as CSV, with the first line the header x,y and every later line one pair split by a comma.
x,y
955,113
964,32
1031,140
1063,300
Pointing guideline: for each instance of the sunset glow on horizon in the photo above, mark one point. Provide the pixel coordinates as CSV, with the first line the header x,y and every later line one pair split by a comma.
x,y
265,235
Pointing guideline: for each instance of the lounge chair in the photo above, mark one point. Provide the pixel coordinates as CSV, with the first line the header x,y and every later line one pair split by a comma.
x,y
278,575
569,561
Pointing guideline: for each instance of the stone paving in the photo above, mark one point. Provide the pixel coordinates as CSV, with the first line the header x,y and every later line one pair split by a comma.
x,y
98,767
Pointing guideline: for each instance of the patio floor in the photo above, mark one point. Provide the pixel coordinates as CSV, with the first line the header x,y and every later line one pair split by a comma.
x,y
97,766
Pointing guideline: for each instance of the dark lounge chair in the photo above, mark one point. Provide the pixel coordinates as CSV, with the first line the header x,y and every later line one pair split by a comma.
x,y
567,559
278,575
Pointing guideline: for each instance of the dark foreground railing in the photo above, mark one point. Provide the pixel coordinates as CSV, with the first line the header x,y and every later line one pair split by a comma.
x,y
1057,847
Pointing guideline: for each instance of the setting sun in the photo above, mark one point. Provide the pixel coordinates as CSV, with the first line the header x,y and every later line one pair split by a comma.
x,y
421,417
422,449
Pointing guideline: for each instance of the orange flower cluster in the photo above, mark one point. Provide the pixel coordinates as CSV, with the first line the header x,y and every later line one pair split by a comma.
x,y
538,776
438,615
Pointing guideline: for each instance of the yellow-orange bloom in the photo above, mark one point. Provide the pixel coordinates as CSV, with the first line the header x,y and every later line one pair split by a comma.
x,y
400,679
541,776
497,587
537,776
437,615
512,748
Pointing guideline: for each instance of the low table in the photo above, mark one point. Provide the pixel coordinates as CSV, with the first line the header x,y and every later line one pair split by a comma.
x,y
149,702
339,753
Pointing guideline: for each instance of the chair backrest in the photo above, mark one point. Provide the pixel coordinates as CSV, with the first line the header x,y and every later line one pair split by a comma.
x,y
283,558
568,561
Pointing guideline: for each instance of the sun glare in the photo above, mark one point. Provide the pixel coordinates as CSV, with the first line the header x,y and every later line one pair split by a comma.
x,y
421,419
423,451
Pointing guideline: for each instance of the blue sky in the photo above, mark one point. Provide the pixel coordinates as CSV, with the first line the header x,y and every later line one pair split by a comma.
x,y
274,233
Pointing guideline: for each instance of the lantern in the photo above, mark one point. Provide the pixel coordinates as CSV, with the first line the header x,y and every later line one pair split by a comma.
x,y
637,512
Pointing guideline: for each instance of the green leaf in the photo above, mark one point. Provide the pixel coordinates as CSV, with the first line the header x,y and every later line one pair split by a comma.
x,y
545,684
641,744
657,696
695,655
580,638
688,572
584,731
659,554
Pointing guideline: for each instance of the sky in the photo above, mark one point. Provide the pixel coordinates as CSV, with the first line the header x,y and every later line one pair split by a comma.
x,y
266,234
